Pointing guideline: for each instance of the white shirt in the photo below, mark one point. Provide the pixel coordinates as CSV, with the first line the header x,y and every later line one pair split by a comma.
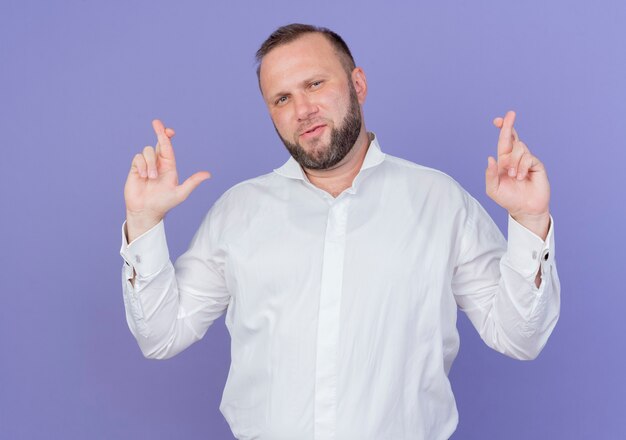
x,y
342,311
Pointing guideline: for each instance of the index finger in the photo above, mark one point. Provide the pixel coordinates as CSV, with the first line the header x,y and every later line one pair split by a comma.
x,y
505,140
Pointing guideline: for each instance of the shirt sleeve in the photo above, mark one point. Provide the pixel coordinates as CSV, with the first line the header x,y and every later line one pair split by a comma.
x,y
494,284
170,306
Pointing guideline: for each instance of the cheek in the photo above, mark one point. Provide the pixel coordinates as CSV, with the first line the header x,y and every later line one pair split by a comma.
x,y
336,106
280,119
283,122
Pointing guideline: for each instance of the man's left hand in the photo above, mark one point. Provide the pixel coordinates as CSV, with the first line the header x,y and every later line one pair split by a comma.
x,y
518,181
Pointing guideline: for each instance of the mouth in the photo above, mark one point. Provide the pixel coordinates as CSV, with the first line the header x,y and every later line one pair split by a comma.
x,y
313,131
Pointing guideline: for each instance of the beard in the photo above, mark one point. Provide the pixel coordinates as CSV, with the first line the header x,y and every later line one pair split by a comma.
x,y
342,139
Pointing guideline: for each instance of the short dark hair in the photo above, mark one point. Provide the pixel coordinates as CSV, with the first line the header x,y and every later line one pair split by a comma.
x,y
291,32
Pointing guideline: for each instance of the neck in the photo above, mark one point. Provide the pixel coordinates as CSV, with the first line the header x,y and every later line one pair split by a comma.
x,y
337,179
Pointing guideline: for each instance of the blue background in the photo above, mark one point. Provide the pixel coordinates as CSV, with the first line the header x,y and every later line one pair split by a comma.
x,y
80,82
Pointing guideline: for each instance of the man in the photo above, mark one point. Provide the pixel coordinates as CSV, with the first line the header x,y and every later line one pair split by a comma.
x,y
341,271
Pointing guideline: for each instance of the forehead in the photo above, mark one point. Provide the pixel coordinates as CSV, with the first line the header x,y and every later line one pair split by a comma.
x,y
310,54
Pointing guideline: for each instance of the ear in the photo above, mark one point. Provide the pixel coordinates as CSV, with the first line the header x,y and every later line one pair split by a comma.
x,y
360,84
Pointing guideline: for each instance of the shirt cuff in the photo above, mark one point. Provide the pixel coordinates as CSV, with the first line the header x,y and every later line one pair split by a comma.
x,y
148,253
526,251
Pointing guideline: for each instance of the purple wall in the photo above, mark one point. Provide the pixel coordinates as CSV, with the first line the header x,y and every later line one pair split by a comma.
x,y
80,83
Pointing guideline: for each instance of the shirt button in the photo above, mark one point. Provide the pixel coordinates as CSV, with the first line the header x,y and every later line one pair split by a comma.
x,y
534,255
137,258
546,255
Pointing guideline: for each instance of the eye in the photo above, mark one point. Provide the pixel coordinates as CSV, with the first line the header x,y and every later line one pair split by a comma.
x,y
316,84
280,100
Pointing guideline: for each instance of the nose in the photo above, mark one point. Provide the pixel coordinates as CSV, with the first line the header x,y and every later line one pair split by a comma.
x,y
304,107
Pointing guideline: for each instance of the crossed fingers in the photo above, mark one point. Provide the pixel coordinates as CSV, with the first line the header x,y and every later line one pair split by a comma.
x,y
151,160
514,157
164,143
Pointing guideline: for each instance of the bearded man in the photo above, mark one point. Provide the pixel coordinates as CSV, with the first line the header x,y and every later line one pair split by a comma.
x,y
341,272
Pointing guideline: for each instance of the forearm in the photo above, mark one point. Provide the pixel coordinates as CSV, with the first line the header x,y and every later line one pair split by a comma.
x,y
510,290
170,306
523,315
154,316
151,295
527,302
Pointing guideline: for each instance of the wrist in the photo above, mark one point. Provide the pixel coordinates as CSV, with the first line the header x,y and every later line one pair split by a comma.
x,y
137,224
539,224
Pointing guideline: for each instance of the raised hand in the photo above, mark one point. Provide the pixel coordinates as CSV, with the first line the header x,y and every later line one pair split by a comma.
x,y
152,187
517,180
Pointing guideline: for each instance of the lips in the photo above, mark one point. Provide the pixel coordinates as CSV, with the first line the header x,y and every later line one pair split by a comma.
x,y
312,130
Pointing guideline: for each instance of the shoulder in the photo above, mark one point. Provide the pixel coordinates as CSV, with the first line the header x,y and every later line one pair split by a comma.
x,y
421,178
244,198
249,188
434,188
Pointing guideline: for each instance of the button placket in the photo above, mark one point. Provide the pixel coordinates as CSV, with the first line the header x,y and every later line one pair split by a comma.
x,y
328,320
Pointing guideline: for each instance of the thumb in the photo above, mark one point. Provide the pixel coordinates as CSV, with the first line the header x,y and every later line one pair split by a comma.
x,y
492,179
192,182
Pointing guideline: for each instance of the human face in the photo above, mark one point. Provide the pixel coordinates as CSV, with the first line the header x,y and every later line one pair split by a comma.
x,y
312,100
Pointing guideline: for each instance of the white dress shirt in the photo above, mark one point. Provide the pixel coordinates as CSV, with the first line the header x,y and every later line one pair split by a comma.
x,y
342,311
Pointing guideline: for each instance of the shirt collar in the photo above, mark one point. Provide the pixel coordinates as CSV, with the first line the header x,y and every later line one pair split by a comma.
x,y
373,157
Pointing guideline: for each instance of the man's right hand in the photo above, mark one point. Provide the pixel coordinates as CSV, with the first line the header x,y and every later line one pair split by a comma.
x,y
152,187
